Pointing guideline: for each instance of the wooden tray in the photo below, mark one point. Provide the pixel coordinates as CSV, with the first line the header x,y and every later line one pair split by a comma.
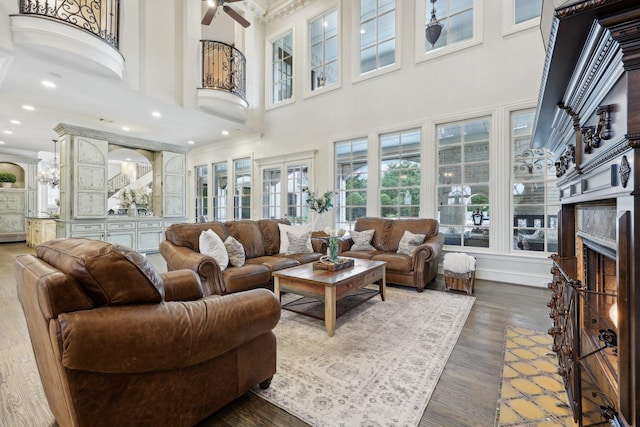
x,y
341,265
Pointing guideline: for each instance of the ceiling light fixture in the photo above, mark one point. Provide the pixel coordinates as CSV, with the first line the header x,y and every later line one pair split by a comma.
x,y
50,172
125,128
434,27
156,114
28,107
48,83
191,142
225,132
15,122
2,142
8,132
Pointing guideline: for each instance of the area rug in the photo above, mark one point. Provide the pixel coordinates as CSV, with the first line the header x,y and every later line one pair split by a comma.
x,y
531,393
380,367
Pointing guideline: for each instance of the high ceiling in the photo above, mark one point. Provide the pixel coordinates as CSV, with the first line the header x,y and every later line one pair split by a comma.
x,y
85,100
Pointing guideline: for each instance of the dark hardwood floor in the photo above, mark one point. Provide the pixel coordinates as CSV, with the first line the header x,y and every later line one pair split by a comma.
x,y
466,395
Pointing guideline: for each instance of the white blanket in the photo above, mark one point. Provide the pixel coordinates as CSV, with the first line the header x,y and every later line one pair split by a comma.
x,y
459,263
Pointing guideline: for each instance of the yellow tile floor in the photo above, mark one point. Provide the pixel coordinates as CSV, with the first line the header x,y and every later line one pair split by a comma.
x,y
532,393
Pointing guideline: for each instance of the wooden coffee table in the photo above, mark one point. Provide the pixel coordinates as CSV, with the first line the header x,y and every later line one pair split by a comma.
x,y
330,286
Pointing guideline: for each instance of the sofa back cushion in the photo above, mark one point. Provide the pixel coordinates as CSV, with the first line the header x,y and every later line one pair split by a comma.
x,y
271,234
381,226
426,226
249,234
109,274
188,235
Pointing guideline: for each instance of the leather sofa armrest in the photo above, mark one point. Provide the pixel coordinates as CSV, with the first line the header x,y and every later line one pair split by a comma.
x,y
181,285
319,245
344,244
169,335
180,257
429,251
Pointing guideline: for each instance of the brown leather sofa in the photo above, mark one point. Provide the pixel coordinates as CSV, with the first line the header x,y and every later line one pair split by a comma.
x,y
261,242
417,270
118,344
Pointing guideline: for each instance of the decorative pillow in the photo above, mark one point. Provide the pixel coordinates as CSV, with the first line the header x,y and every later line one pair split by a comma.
x,y
299,244
294,229
212,245
362,240
410,242
235,251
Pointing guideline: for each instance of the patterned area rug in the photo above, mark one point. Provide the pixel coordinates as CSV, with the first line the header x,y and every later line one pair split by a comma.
x,y
532,393
380,367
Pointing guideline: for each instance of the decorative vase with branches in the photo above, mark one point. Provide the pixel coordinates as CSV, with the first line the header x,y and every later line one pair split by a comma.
x,y
318,203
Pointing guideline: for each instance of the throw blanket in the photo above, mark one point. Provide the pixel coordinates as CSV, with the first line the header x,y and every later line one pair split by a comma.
x,y
459,263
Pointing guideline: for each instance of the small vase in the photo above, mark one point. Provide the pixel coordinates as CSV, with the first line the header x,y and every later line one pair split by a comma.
x,y
133,210
333,249
6,184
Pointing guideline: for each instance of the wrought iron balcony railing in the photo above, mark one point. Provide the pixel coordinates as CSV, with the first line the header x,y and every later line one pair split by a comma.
x,y
223,68
98,17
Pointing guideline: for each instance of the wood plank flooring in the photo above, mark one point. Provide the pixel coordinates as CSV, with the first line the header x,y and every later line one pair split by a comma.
x,y
466,394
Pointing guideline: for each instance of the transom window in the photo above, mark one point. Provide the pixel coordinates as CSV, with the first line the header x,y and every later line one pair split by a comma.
x,y
282,68
463,182
352,169
323,33
400,174
377,34
525,10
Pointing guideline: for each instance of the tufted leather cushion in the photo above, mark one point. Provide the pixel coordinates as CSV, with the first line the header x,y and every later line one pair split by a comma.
x,y
109,274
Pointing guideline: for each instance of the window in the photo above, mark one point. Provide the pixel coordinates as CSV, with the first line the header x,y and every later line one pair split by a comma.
x,y
292,205
323,43
377,34
282,66
351,182
400,174
202,200
463,182
220,179
535,196
242,190
456,17
525,10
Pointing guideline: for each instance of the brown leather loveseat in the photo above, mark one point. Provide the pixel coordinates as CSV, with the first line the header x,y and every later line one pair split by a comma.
x,y
417,269
260,240
118,344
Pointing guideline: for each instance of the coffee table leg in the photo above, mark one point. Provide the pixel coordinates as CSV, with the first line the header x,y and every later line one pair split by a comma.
x,y
383,284
330,309
276,287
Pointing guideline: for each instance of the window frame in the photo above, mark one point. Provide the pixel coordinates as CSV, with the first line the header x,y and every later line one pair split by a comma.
x,y
270,41
341,193
509,25
201,192
357,76
422,19
235,196
215,210
308,91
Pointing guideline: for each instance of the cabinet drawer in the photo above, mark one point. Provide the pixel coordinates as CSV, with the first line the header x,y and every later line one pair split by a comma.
x,y
150,224
124,225
98,226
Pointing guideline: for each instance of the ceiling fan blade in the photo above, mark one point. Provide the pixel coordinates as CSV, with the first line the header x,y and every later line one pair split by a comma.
x,y
208,16
235,15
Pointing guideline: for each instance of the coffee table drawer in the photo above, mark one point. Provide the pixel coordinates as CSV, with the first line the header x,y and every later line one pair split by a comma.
x,y
373,276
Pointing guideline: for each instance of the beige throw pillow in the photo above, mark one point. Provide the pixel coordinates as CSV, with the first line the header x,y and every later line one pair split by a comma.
x,y
294,229
410,242
362,240
235,251
212,245
299,244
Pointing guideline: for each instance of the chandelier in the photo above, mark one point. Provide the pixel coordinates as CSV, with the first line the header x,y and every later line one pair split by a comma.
x,y
49,174
434,27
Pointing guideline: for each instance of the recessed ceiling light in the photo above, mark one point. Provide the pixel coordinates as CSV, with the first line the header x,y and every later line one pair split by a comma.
x,y
156,114
15,122
191,142
48,83
28,107
125,128
128,159
1,142
225,132
8,132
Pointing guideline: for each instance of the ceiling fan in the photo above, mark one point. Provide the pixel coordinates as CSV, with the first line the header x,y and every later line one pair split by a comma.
x,y
213,8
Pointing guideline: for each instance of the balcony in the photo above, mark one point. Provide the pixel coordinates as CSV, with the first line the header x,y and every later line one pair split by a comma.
x,y
223,78
82,33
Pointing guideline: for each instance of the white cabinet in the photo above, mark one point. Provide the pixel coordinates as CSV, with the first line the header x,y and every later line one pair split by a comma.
x,y
12,215
89,230
40,230
122,233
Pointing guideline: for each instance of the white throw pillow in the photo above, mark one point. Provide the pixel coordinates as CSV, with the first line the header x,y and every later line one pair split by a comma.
x,y
299,244
298,230
212,245
410,242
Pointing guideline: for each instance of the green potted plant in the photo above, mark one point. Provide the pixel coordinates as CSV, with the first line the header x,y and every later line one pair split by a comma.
x,y
7,179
